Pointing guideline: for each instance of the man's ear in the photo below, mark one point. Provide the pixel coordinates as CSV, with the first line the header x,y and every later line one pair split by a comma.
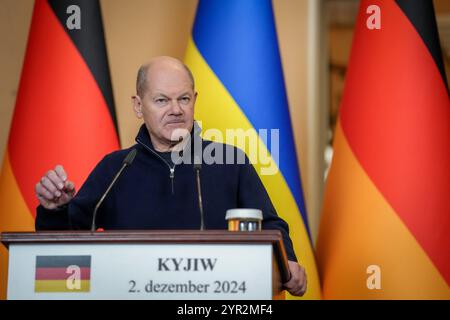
x,y
195,96
137,106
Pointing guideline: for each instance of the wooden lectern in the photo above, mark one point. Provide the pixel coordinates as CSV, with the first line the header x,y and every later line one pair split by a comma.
x,y
172,264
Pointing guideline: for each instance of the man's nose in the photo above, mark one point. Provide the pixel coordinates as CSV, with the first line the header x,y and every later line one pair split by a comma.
x,y
175,107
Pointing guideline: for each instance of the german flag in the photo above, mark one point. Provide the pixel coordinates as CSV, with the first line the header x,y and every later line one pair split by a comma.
x,y
385,226
63,274
64,112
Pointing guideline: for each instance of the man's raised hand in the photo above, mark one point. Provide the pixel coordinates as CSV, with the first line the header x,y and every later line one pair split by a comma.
x,y
54,190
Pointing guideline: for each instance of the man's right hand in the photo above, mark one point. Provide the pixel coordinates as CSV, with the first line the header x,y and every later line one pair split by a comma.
x,y
54,190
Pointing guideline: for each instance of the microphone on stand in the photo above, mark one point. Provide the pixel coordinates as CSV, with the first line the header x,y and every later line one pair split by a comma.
x,y
126,162
197,168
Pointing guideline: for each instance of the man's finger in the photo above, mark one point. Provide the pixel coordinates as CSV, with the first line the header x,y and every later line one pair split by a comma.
x,y
61,172
69,189
48,184
305,287
69,186
49,189
46,203
290,284
42,200
301,290
55,179
43,192
299,293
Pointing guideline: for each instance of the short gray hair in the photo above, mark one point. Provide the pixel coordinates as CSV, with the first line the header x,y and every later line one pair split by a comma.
x,y
141,80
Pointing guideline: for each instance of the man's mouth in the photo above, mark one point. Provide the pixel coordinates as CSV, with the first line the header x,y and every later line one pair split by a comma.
x,y
174,122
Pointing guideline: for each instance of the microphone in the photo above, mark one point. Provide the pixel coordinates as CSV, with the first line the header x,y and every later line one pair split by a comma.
x,y
126,162
197,168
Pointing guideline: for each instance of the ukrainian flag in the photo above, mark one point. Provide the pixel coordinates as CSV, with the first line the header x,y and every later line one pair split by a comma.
x,y
235,59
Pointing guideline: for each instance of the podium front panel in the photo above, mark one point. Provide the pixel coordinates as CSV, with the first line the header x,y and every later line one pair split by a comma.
x,y
140,271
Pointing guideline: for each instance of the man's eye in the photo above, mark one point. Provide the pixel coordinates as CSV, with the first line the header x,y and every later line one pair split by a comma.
x,y
161,101
185,100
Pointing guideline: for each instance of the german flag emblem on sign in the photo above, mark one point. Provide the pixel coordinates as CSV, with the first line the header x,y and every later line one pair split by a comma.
x,y
63,274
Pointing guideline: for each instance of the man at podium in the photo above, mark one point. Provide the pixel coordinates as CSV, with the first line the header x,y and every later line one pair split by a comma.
x,y
158,189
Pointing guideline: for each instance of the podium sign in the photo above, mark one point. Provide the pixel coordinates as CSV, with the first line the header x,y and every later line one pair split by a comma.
x,y
187,265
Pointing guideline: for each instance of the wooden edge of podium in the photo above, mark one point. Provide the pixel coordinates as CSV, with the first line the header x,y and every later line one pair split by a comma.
x,y
157,236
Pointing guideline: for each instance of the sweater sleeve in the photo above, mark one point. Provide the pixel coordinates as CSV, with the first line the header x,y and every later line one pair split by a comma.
x,y
57,219
252,194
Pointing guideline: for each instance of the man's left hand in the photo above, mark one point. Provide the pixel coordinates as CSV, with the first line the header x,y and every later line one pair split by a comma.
x,y
297,283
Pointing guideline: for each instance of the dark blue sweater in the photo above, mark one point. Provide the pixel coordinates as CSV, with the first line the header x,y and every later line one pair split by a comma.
x,y
143,198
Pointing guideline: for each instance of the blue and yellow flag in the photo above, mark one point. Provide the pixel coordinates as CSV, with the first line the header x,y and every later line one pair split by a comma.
x,y
235,59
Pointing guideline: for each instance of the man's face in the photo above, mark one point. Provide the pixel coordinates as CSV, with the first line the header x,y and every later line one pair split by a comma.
x,y
167,105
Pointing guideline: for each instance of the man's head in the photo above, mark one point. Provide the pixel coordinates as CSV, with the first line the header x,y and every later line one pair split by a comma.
x,y
165,100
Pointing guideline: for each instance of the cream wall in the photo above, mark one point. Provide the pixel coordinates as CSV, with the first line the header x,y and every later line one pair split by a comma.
x,y
138,29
